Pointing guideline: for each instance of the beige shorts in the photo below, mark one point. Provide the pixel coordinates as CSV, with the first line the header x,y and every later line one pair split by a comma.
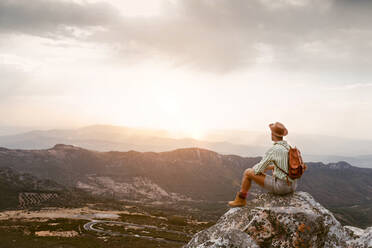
x,y
278,186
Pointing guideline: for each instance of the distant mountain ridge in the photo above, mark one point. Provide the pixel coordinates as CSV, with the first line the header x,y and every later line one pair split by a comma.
x,y
364,161
117,138
240,142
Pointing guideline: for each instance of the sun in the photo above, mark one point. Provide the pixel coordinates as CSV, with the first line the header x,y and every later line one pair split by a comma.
x,y
196,133
190,131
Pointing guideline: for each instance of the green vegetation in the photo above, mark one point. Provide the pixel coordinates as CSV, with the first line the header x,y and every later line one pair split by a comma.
x,y
357,215
164,229
9,196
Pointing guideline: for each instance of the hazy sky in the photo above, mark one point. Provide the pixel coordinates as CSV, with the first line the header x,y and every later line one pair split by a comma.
x,y
188,65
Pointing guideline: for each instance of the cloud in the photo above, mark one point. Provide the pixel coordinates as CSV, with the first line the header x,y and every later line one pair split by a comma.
x,y
53,18
220,36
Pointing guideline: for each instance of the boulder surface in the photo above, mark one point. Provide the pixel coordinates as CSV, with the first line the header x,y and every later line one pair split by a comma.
x,y
293,220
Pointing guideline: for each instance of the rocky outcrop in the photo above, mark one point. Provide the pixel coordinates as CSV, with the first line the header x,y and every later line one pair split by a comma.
x,y
293,220
136,188
362,238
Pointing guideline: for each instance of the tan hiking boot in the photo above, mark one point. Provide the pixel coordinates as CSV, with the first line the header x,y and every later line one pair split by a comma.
x,y
238,202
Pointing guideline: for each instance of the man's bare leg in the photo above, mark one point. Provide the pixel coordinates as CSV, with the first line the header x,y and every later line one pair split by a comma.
x,y
248,176
240,199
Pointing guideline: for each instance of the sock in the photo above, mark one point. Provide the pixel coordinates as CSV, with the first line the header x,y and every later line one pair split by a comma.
x,y
243,195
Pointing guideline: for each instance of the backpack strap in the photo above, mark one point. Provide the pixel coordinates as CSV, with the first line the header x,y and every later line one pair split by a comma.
x,y
281,168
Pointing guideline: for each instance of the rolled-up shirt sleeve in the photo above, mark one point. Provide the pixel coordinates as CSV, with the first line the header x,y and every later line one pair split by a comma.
x,y
265,161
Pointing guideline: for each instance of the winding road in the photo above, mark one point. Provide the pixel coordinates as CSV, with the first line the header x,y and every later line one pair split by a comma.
x,y
90,227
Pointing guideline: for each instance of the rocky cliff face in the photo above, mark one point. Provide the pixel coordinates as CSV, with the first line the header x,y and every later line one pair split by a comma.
x,y
294,220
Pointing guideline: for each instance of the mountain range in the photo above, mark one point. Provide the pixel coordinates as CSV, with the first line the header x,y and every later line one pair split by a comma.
x,y
319,148
187,174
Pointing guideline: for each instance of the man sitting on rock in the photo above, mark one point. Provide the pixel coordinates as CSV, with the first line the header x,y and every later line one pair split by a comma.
x,y
277,154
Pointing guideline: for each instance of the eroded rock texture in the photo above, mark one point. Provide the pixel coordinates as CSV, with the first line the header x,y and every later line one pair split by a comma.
x,y
294,220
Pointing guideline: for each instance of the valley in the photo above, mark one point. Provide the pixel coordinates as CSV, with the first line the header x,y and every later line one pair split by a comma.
x,y
67,196
98,225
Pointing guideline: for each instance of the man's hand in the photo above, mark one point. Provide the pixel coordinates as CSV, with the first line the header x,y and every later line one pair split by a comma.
x,y
270,167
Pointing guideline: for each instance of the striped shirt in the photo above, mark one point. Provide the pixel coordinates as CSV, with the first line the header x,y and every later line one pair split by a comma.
x,y
278,153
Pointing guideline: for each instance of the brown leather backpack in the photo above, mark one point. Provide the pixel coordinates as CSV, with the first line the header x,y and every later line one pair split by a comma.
x,y
296,166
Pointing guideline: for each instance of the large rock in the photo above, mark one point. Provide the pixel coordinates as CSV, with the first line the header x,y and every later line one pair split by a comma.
x,y
293,220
